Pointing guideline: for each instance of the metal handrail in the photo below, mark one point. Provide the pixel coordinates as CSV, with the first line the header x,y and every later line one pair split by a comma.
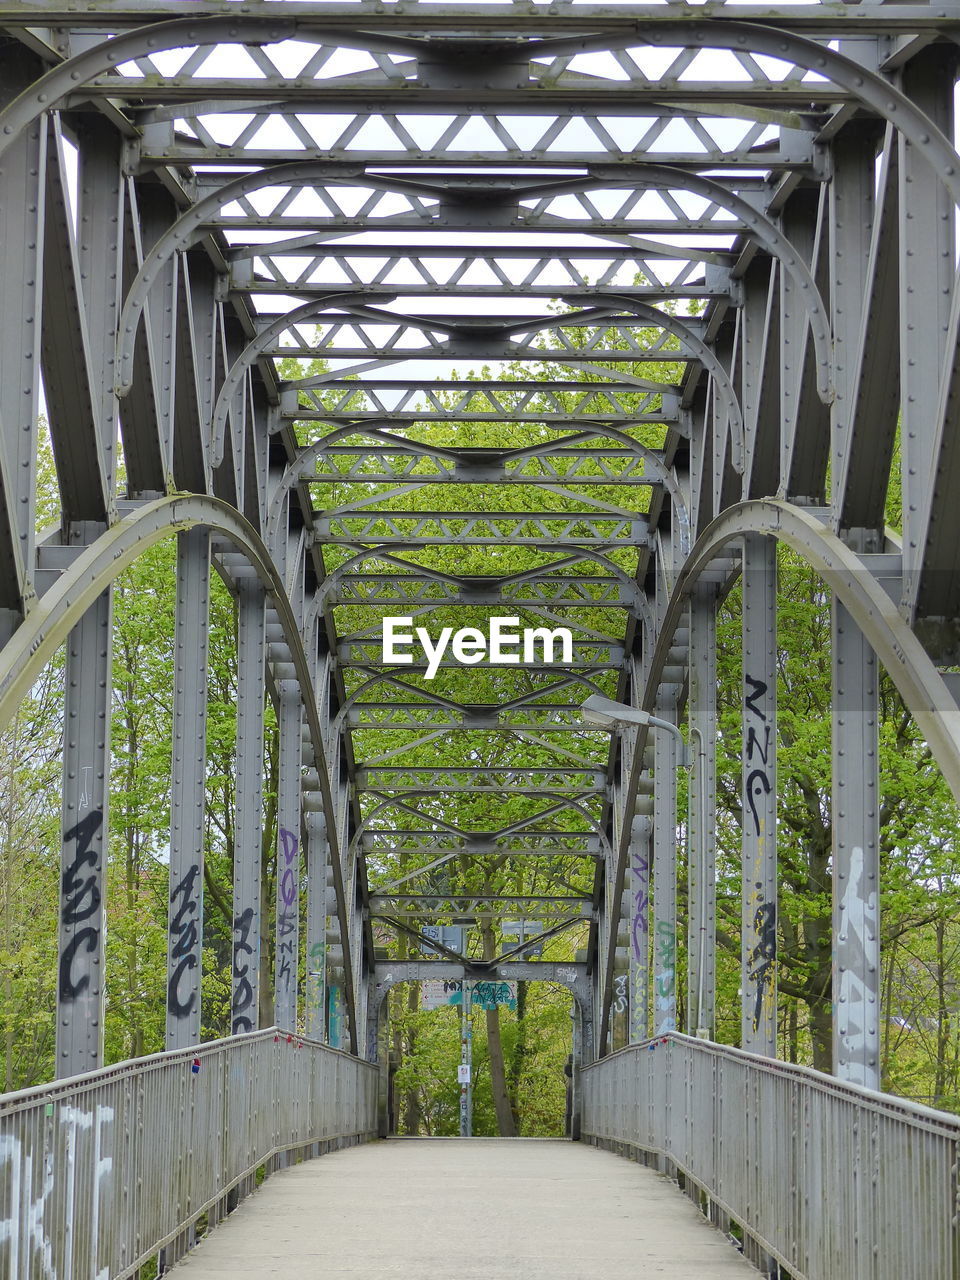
x,y
828,1178
101,1171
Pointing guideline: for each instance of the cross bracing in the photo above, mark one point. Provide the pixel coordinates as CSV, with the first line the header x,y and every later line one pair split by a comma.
x,y
563,312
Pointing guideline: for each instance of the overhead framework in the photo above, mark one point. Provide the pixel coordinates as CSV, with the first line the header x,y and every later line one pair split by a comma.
x,y
565,313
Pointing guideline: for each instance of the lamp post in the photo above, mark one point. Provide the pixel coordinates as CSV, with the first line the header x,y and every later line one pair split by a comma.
x,y
600,712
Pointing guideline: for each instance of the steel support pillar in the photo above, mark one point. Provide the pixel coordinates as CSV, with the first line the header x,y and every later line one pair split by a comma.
x,y
639,918
856,857
851,225
287,936
185,920
86,772
22,200
247,856
702,846
318,856
758,945
665,873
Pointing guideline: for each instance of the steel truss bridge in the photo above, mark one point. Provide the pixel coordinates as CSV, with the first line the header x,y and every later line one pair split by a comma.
x,y
566,312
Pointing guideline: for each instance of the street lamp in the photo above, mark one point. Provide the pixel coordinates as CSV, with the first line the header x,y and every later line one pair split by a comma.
x,y
605,713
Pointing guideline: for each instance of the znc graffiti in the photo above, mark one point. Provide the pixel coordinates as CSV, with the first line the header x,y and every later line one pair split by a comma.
x,y
243,994
80,899
756,759
287,918
184,915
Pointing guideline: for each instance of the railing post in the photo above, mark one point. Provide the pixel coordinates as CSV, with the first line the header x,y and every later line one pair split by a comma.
x,y
86,771
758,947
247,907
856,857
185,919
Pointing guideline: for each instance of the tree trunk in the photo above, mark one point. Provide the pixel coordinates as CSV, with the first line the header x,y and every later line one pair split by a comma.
x,y
506,1121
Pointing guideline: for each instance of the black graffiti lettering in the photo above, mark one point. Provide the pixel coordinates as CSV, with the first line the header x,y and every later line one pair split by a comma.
x,y
753,746
185,939
181,1008
243,988
70,988
757,776
81,895
764,955
242,926
759,688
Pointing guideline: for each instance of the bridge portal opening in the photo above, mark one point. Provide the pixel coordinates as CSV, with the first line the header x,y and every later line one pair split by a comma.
x,y
484,1057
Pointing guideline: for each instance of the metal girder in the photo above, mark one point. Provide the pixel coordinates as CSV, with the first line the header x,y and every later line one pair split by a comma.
x,y
418,185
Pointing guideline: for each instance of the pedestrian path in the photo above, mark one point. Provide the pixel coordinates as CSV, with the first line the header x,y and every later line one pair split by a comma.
x,y
466,1209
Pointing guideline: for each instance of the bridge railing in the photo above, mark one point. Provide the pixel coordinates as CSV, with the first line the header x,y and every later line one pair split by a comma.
x,y
98,1173
827,1178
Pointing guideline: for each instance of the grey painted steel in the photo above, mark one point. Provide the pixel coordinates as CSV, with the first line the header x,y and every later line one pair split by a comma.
x,y
665,859
638,987
856,854
315,979
187,789
95,568
84,829
702,852
758,928
897,647
287,927
199,1121
886,1165
248,840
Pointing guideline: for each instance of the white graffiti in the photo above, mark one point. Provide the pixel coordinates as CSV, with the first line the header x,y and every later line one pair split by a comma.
x,y
23,1234
857,941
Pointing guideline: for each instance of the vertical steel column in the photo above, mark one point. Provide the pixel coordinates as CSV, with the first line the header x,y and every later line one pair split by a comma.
x,y
185,919
856,857
287,937
639,918
758,938
22,200
664,873
318,855
851,228
247,878
86,771
702,845
927,258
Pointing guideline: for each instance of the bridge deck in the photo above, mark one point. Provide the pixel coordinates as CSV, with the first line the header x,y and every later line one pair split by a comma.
x,y
487,1209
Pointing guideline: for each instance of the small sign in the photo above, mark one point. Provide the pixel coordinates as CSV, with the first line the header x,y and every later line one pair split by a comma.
x,y
435,992
463,1074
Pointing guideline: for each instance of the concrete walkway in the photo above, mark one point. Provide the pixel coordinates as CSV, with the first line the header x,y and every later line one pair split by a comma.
x,y
466,1209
